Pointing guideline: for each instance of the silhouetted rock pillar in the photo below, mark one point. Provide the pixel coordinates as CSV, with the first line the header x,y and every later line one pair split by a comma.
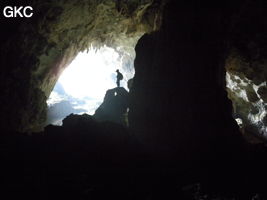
x,y
178,100
114,107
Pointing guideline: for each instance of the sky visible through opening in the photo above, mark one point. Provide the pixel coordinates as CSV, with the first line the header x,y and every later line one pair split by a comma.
x,y
82,85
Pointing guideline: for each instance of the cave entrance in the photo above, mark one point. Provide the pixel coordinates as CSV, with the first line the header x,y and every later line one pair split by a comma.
x,y
83,84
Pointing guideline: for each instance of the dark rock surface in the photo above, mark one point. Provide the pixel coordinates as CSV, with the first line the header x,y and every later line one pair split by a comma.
x,y
247,62
85,159
114,106
177,102
78,159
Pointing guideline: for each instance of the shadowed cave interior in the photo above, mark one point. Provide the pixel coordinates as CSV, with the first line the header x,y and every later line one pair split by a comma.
x,y
191,126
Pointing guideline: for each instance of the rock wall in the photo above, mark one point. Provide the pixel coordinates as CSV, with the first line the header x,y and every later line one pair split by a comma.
x,y
246,66
179,89
178,100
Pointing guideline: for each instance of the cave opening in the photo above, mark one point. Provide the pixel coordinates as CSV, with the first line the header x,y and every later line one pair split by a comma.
x,y
82,86
181,141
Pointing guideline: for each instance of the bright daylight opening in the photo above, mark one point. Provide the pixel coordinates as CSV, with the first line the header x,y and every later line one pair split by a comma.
x,y
83,84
